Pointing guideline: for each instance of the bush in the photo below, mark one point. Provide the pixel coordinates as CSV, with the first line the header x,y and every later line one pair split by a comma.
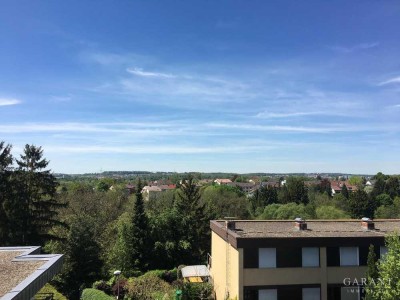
x,y
93,294
120,288
50,289
148,286
103,286
197,291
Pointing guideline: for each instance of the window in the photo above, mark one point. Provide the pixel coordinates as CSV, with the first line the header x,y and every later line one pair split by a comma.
x,y
349,256
383,251
310,257
288,257
267,295
267,258
311,294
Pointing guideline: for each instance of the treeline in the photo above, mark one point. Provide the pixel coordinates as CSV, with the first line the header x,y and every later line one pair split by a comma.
x,y
296,199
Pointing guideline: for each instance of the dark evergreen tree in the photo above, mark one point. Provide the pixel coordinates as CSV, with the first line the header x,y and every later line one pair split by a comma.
x,y
194,224
269,195
82,257
138,234
35,197
294,191
361,205
325,187
344,191
392,187
5,191
379,187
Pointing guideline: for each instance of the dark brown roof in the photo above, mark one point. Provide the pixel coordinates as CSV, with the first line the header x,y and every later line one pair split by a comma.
x,y
315,228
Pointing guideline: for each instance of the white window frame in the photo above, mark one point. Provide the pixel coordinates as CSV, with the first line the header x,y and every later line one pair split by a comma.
x,y
269,262
310,265
358,256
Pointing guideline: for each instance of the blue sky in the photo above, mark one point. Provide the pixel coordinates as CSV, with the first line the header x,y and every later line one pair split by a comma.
x,y
235,86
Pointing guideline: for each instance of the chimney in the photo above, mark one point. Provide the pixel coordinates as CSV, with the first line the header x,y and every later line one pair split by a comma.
x,y
230,224
367,224
300,224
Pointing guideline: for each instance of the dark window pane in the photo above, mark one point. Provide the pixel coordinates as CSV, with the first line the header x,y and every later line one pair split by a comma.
x,y
333,256
289,257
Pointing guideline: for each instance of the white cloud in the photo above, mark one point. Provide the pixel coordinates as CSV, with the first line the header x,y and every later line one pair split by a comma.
x,y
271,115
113,59
362,46
392,80
152,149
302,129
7,101
140,128
140,72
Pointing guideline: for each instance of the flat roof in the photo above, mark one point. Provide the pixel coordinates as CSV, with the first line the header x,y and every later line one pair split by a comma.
x,y
316,229
23,271
13,272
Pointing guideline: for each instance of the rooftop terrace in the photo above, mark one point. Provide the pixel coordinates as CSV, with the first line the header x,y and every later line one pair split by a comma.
x,y
23,271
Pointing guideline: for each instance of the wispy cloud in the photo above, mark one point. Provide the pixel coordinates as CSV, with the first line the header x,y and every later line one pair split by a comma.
x,y
196,90
341,128
140,128
61,98
391,80
114,59
362,46
9,101
140,72
151,149
272,115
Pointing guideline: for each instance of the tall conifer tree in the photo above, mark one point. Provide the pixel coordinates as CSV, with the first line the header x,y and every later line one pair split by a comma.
x,y
36,196
138,242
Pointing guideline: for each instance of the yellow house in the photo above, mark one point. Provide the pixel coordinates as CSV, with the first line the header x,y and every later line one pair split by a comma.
x,y
294,260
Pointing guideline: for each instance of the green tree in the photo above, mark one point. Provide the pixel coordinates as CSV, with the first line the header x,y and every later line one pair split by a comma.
x,y
356,180
82,257
220,202
372,272
360,205
325,187
6,160
392,187
388,287
139,233
326,212
288,211
193,220
36,197
384,199
379,187
295,191
345,191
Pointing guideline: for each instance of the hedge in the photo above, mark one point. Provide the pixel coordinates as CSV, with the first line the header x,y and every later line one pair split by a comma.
x,y
93,294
